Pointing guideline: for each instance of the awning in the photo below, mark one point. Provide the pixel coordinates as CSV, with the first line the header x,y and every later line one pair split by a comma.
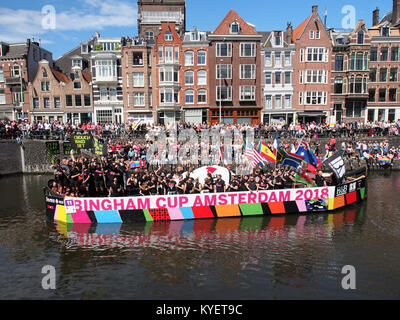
x,y
312,114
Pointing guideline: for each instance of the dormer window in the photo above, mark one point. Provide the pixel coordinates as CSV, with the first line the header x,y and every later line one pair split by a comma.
x,y
195,36
84,48
278,40
44,73
385,31
360,37
168,36
235,28
77,63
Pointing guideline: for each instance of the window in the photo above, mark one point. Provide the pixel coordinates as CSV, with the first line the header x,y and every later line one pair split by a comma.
x,y
103,116
138,79
302,55
1,75
288,61
189,58
357,85
57,102
395,54
371,95
224,93
392,114
137,58
339,63
311,34
84,48
383,74
138,99
68,100
317,34
149,80
316,97
359,61
288,101
338,86
168,36
86,99
194,36
77,85
169,96
360,37
374,54
224,49
353,110
372,74
168,75
45,86
278,101
300,98
316,76
176,54
189,78
224,71
382,95
189,97
247,93
384,53
201,58
278,78
268,78
247,71
202,96
234,28
106,69
160,54
277,40
35,102
288,77
393,74
15,71
44,74
3,100
169,51
113,94
202,78
247,49
317,55
46,103
268,61
392,94
149,35
268,102
77,63
301,76
278,60
78,100
103,94
150,99
385,31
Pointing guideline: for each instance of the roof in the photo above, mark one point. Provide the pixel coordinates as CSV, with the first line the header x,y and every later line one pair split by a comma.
x,y
87,76
61,77
223,27
299,30
15,51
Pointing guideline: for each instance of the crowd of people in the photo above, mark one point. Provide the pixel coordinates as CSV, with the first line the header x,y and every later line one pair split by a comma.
x,y
57,130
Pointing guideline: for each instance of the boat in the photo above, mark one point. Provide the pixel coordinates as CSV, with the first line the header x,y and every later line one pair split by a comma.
x,y
206,206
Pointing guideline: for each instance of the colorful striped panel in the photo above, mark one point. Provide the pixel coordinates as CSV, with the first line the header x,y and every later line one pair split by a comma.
x,y
351,197
108,216
62,228
251,209
132,216
61,214
175,214
69,219
147,215
228,211
291,207
160,214
202,212
80,217
276,207
92,216
187,213
266,209
301,206
339,202
331,203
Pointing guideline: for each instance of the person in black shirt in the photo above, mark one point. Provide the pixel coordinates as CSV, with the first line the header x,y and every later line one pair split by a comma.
x,y
197,186
171,186
115,189
207,188
219,185
319,180
242,183
251,185
234,185
181,186
189,187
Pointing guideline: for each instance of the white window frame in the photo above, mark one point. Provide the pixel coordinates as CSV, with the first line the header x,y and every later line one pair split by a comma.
x,y
3,99
253,49
268,62
247,93
228,71
187,95
278,106
200,92
288,62
252,71
203,79
187,73
205,57
317,95
228,49
189,58
268,102
219,94
138,79
139,99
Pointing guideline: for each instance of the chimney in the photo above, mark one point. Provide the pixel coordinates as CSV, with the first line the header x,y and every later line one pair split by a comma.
x,y
315,9
375,17
396,11
289,33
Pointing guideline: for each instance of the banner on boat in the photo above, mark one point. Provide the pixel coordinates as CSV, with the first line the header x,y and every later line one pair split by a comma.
x,y
196,200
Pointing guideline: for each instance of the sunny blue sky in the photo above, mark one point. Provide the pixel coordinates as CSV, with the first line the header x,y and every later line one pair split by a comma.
x,y
78,20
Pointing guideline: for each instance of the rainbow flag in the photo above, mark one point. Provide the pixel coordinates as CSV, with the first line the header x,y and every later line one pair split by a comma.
x,y
138,164
384,161
266,152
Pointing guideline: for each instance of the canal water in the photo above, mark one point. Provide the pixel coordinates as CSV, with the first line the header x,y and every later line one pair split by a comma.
x,y
282,257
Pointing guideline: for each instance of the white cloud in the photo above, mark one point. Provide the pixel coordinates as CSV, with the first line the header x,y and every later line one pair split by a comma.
x,y
18,25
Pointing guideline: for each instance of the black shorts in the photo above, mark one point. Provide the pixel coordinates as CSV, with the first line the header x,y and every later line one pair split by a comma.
x,y
99,184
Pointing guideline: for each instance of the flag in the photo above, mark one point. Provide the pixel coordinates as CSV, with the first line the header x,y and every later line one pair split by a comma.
x,y
266,152
257,158
336,164
138,164
313,163
303,177
221,153
249,150
276,145
288,159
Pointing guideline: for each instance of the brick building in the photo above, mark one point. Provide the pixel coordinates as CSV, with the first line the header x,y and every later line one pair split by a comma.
x,y
57,96
137,78
312,69
19,63
234,69
194,92
278,54
384,99
350,73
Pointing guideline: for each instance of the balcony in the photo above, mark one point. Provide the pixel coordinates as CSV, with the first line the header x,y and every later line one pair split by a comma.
x,y
10,81
107,80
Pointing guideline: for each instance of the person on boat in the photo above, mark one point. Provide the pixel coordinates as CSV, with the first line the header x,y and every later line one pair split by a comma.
x,y
219,185
234,185
189,186
115,189
181,187
320,180
197,186
207,188
251,185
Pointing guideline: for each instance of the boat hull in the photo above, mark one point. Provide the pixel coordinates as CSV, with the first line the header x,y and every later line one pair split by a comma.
x,y
203,206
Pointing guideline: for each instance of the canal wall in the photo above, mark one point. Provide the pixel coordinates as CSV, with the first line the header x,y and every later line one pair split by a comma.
x,y
30,156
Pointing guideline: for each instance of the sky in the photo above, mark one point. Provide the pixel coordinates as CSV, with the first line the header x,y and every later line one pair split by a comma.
x,y
78,20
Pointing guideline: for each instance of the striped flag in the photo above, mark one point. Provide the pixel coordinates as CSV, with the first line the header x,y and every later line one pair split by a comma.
x,y
221,153
266,152
257,158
